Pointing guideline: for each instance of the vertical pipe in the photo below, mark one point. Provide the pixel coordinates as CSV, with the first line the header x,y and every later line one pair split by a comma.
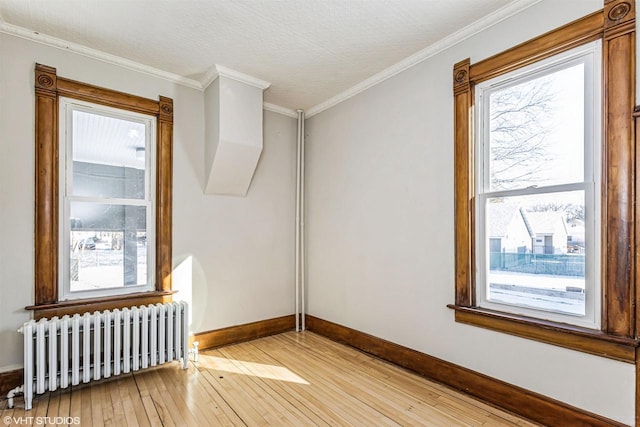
x,y
75,350
28,364
64,352
126,340
170,332
40,355
302,232
97,344
298,187
144,336
117,340
53,354
153,337
185,334
135,339
86,348
162,311
177,330
107,344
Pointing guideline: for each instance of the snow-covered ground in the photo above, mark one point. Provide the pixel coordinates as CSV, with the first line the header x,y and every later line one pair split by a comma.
x,y
539,291
104,269
541,281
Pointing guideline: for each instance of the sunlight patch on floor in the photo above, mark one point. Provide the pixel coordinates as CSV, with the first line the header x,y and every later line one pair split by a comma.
x,y
261,370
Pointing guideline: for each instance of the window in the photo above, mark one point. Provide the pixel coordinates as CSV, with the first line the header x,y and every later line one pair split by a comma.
x,y
103,197
545,214
107,188
537,171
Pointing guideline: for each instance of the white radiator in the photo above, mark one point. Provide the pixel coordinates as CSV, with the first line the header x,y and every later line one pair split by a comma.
x,y
60,352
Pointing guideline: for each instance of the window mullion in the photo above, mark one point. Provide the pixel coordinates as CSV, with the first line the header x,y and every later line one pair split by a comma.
x,y
529,191
110,201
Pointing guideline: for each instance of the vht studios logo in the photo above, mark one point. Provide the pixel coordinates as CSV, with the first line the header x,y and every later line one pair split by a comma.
x,y
40,421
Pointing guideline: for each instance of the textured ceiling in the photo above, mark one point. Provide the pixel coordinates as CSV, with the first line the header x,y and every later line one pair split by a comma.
x,y
310,50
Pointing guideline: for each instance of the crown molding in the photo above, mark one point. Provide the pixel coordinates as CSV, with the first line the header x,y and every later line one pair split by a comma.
x,y
241,77
431,50
219,70
280,110
37,37
209,77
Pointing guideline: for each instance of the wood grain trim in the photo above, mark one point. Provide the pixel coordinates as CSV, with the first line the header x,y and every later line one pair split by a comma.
x,y
48,88
615,25
572,337
99,304
165,109
164,195
534,406
46,191
10,380
108,97
574,34
636,126
618,12
461,82
618,221
464,190
246,332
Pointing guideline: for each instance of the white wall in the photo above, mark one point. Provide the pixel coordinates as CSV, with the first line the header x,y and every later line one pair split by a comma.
x,y
233,257
381,232
241,248
380,217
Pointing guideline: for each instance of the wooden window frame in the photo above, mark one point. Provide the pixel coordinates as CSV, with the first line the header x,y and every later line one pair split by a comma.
x,y
49,87
618,337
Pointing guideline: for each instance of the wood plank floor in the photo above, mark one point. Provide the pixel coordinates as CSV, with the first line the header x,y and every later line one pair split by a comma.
x,y
291,379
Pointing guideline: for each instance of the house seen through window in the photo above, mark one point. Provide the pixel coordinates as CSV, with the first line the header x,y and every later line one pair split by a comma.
x,y
537,205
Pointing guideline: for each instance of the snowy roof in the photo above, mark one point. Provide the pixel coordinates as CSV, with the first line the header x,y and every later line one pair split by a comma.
x,y
548,222
500,214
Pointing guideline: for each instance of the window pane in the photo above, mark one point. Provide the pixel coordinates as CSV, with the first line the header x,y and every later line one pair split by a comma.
x,y
536,251
108,157
108,246
536,131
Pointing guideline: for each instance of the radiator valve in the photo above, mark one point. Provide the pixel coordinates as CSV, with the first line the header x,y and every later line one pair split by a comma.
x,y
194,351
12,394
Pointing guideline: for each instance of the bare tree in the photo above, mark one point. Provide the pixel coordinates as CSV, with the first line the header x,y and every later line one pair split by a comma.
x,y
520,121
570,211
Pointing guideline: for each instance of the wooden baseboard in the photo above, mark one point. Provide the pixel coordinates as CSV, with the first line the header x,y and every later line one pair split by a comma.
x,y
209,339
533,406
246,332
10,380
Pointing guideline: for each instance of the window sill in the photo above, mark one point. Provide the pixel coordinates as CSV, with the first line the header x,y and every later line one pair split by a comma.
x,y
572,337
81,306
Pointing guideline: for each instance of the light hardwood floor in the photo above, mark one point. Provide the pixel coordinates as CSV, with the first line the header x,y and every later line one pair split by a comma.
x,y
295,379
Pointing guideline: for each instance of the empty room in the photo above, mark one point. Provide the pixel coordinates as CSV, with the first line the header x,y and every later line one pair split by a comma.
x,y
319,212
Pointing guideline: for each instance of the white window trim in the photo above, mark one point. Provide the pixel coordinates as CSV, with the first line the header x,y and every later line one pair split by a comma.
x,y
66,108
588,53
